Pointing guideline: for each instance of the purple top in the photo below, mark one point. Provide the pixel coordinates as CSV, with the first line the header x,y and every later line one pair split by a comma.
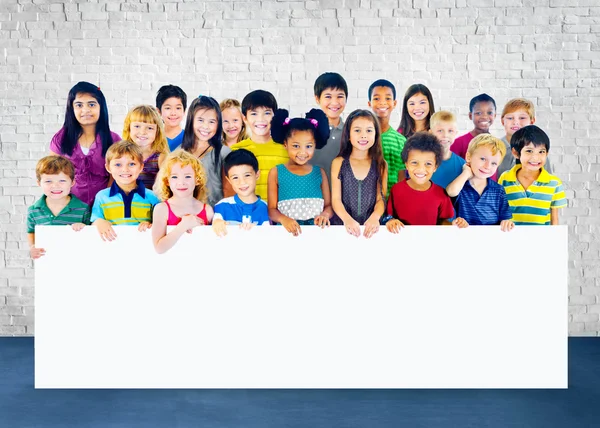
x,y
90,174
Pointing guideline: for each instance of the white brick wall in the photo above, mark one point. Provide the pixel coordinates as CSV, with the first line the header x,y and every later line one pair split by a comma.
x,y
545,50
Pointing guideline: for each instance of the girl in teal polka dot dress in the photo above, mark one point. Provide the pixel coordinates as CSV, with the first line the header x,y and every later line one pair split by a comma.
x,y
298,191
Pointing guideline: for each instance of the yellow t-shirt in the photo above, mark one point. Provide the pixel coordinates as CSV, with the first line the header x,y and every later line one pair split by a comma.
x,y
269,155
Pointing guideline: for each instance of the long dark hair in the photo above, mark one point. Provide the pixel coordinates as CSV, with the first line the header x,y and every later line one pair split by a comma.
x,y
72,128
407,123
375,151
281,131
189,138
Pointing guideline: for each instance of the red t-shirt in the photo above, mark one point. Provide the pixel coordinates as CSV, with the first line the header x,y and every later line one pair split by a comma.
x,y
461,144
419,208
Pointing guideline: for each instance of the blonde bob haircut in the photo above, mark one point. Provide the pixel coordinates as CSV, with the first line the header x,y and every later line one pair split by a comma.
x,y
147,114
228,103
442,116
519,104
122,148
487,140
180,156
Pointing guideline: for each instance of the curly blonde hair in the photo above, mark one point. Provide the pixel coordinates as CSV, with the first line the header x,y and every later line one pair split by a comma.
x,y
147,114
161,186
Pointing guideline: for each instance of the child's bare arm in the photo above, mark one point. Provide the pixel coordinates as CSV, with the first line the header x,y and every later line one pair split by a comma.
x,y
323,218
554,217
162,240
352,226
275,215
454,188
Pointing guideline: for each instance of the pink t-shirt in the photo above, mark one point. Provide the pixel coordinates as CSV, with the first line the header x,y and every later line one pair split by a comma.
x,y
90,174
461,145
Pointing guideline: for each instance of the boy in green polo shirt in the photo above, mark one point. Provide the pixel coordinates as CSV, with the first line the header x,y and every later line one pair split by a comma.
x,y
382,100
55,175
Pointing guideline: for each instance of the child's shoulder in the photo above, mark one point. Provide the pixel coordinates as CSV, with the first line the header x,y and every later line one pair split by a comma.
x,y
37,205
546,177
75,202
149,195
438,190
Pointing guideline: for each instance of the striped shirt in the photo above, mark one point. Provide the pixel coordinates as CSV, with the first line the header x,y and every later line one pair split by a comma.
x,y
114,205
489,208
40,215
392,143
532,206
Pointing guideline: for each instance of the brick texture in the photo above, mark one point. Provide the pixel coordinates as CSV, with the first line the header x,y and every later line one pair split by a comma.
x,y
544,50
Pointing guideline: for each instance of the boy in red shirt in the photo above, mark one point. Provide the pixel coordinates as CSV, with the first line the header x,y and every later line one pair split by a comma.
x,y
418,201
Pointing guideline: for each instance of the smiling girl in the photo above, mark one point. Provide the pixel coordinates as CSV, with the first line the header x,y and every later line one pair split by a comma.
x,y
181,184
84,139
359,175
144,127
298,191
417,108
234,128
203,139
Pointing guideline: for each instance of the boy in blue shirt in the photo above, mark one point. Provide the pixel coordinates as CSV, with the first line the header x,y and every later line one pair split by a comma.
x,y
477,198
171,102
443,126
126,201
245,208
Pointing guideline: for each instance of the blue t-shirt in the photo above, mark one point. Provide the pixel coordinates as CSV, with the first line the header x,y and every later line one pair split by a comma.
x,y
448,171
236,211
175,142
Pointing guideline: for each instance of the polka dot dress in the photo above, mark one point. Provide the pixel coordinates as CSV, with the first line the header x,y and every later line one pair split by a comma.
x,y
300,196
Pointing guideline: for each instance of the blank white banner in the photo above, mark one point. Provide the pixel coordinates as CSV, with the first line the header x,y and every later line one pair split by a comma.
x,y
431,307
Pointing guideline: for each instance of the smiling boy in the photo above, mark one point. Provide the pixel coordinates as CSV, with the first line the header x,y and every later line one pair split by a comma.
x,y
482,111
478,199
534,195
126,201
55,175
258,108
331,94
417,200
516,114
171,102
245,208
382,100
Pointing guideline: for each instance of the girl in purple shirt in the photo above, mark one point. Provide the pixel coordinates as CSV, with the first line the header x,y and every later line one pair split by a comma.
x,y
84,139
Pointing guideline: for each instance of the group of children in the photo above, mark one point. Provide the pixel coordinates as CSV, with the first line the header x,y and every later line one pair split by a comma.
x,y
249,164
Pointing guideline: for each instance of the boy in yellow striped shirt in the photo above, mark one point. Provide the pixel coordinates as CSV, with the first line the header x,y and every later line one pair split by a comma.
x,y
534,195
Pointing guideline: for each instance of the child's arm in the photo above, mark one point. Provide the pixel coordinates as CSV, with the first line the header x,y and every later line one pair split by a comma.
x,y
34,252
323,218
554,216
162,240
454,188
210,213
275,215
372,223
352,226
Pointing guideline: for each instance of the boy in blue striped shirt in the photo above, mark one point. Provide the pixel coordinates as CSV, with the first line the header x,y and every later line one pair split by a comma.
x,y
477,198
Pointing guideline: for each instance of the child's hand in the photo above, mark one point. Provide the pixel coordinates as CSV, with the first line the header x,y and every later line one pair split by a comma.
x,y
291,226
467,171
460,222
246,225
144,226
394,225
36,253
352,227
220,227
105,229
189,221
77,226
322,221
371,227
506,225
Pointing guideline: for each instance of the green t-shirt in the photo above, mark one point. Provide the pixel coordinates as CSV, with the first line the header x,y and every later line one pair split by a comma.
x,y
392,143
